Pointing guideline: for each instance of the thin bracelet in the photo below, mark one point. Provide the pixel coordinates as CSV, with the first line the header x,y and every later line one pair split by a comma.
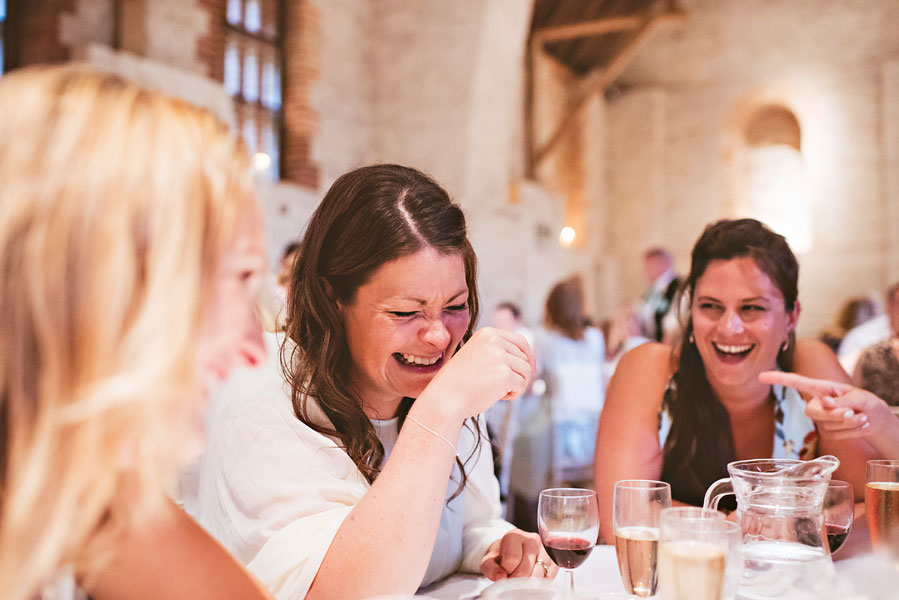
x,y
429,430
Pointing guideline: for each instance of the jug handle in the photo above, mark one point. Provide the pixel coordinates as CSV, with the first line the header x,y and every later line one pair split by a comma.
x,y
716,492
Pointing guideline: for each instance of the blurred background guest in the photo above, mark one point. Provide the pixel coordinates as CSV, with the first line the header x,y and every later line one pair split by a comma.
x,y
877,369
622,334
658,299
502,423
853,313
556,433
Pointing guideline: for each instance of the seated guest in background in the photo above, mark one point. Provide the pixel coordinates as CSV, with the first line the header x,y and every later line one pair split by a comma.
x,y
682,415
877,369
658,300
355,464
131,251
622,336
853,313
556,435
846,411
501,417
859,338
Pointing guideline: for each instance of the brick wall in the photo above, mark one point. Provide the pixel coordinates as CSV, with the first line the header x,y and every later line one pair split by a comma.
x,y
34,29
211,45
302,43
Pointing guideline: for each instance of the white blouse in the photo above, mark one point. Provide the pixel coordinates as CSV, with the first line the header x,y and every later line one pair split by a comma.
x,y
275,492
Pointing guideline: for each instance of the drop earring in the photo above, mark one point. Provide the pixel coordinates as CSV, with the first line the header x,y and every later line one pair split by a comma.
x,y
785,345
691,340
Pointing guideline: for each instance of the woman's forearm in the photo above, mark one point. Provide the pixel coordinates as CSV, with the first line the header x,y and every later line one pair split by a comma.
x,y
385,543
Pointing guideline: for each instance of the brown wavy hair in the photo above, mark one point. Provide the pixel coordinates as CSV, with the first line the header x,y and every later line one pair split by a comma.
x,y
701,441
369,216
565,308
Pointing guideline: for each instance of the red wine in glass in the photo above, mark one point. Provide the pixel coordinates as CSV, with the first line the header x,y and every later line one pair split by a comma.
x,y
568,521
568,552
836,536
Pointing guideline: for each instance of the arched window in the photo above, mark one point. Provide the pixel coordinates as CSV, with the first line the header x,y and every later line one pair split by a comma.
x,y
773,175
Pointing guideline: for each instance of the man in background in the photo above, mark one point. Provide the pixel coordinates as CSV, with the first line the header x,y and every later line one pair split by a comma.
x,y
656,302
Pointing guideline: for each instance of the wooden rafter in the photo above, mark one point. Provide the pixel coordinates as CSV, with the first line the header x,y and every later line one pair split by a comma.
x,y
586,28
595,80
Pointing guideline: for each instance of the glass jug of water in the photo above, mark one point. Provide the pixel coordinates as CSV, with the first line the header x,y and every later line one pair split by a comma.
x,y
780,509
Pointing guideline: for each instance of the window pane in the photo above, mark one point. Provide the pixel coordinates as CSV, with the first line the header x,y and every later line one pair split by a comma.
x,y
250,75
268,128
233,13
252,17
270,83
249,130
232,67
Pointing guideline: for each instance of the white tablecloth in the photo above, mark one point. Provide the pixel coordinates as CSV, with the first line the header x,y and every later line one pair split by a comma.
x,y
599,573
857,580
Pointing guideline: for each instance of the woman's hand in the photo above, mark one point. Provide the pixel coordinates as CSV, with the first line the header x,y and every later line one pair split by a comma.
x,y
844,411
517,554
493,365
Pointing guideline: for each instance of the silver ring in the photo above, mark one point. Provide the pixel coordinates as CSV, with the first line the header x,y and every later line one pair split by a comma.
x,y
545,568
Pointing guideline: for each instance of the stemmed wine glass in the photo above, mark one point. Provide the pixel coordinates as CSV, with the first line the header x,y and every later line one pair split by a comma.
x,y
568,520
636,507
839,510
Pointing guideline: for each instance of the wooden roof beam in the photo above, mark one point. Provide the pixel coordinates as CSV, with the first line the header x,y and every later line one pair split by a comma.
x,y
599,79
558,33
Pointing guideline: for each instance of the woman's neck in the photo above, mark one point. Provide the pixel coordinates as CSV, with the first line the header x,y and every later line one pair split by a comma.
x,y
742,400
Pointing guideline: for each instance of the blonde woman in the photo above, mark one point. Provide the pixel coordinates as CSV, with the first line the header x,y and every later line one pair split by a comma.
x,y
130,252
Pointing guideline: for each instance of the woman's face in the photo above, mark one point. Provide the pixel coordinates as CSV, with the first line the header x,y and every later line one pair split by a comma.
x,y
231,335
739,322
403,325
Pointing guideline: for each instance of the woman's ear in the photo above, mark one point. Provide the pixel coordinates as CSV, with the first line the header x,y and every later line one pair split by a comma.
x,y
793,315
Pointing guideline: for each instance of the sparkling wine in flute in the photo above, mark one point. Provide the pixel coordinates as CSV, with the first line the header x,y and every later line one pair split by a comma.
x,y
882,507
636,548
691,570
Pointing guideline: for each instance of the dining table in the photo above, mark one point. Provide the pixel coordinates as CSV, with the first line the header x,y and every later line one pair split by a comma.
x,y
858,575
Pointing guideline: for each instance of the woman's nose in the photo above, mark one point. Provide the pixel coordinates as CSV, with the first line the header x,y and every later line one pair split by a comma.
x,y
436,333
732,322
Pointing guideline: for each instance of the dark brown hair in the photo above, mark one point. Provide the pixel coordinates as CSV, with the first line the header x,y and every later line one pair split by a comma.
x,y
701,442
369,217
565,308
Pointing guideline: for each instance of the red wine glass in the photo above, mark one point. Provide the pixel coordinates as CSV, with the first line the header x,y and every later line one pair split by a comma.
x,y
839,510
568,519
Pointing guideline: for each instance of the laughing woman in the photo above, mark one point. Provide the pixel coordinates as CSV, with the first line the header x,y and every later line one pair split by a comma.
x,y
681,416
357,465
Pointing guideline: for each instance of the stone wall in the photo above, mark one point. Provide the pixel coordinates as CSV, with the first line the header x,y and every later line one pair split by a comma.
x,y
672,143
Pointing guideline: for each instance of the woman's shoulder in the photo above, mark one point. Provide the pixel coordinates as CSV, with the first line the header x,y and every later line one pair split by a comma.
x,y
644,371
813,358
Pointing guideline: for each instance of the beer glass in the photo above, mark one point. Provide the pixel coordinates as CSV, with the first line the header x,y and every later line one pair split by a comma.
x,y
882,505
700,555
636,506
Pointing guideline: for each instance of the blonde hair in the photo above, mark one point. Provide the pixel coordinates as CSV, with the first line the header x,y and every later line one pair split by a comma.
x,y
116,202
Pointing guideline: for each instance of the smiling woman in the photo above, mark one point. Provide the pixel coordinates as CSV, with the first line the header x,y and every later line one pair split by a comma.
x,y
681,415
344,469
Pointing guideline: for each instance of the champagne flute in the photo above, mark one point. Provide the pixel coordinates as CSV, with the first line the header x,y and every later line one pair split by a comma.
x,y
882,505
636,507
568,520
700,555
839,510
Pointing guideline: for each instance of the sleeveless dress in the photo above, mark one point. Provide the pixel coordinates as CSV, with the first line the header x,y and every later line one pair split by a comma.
x,y
795,436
